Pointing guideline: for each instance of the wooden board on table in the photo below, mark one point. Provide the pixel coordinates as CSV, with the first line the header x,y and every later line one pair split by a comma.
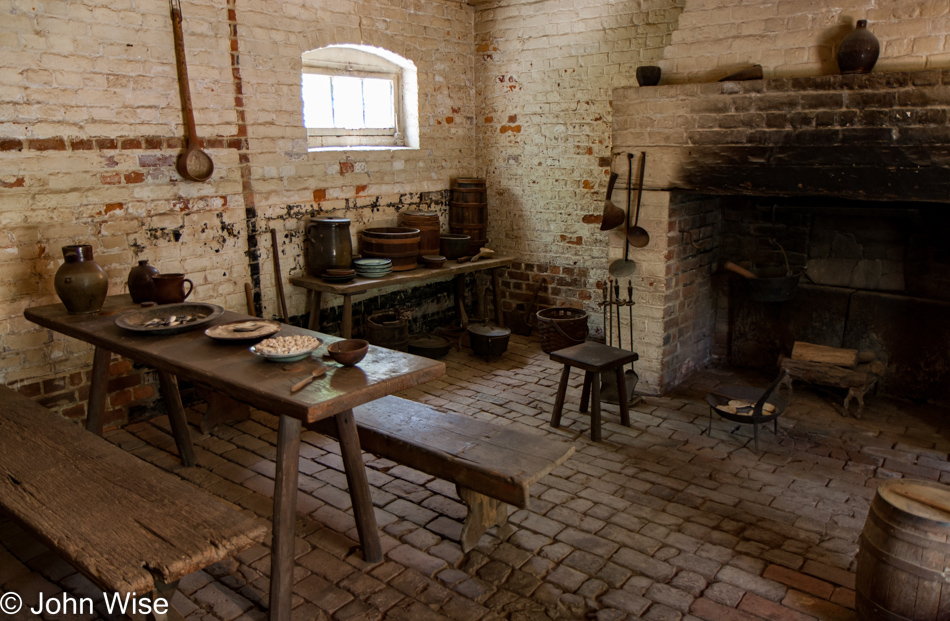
x,y
490,459
119,520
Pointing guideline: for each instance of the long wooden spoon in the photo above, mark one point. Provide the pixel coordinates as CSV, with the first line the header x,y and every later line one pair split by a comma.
x,y
318,372
194,164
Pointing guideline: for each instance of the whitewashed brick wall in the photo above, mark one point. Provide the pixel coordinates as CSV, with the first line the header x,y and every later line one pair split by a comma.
x,y
91,126
795,38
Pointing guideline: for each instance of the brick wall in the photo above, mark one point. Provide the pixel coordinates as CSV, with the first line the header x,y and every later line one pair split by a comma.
x,y
91,126
793,38
544,74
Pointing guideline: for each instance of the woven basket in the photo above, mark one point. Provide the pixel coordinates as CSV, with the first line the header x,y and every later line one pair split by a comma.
x,y
561,327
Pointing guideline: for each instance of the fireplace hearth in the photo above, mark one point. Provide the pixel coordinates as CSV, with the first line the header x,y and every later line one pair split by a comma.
x,y
850,174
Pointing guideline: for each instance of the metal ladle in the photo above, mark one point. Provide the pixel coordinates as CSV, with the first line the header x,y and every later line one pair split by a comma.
x,y
637,235
613,216
624,268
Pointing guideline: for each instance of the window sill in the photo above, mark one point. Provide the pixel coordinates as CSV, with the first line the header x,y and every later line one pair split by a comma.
x,y
361,148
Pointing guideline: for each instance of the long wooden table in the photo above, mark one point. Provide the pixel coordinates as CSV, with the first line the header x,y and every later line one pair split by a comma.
x,y
316,287
235,371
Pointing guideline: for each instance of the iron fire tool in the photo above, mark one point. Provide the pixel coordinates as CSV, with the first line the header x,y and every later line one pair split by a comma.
x,y
619,304
631,379
603,305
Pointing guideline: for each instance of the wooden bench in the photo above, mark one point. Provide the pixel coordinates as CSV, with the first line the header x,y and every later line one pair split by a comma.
x,y
491,465
123,523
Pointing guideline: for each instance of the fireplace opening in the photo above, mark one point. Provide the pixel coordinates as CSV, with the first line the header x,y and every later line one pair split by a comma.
x,y
877,278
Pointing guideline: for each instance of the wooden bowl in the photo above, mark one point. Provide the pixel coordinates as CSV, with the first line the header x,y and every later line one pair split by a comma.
x,y
433,260
349,351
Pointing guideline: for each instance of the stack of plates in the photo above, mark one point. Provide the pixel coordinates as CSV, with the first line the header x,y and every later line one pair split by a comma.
x,y
337,275
373,268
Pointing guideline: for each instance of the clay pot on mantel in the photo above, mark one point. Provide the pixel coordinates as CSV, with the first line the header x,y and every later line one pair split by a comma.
x,y
858,52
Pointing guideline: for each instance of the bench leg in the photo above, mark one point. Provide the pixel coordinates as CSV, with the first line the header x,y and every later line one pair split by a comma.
x,y
176,416
359,487
483,513
166,592
285,514
585,393
561,393
98,386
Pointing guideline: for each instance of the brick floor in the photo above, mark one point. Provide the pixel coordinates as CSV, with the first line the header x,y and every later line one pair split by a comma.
x,y
657,521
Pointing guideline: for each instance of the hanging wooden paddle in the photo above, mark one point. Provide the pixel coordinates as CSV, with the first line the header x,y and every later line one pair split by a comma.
x,y
194,164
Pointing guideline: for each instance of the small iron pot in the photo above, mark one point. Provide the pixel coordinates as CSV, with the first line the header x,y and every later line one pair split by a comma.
x,y
488,340
429,345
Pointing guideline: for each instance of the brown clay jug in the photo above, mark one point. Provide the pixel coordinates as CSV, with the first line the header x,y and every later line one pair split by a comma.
x,y
80,283
328,245
170,288
141,286
858,52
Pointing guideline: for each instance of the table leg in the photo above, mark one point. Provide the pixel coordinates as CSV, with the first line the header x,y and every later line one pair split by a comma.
x,y
496,293
285,515
315,297
98,386
347,316
176,416
561,393
595,409
460,300
359,487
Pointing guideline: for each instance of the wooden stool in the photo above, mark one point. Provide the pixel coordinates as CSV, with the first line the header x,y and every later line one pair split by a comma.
x,y
594,358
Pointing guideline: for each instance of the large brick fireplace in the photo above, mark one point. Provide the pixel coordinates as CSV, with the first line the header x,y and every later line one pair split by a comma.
x,y
847,174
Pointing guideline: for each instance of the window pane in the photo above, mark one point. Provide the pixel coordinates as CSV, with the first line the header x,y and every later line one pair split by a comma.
x,y
348,103
317,107
378,94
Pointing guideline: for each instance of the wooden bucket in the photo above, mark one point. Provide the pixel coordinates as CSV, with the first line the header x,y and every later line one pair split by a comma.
x,y
396,243
430,229
468,211
904,556
388,329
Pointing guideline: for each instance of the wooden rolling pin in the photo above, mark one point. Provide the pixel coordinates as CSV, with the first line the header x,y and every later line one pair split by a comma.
x,y
732,267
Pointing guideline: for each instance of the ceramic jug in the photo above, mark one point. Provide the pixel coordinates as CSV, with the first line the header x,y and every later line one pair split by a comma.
x,y
858,51
80,283
170,288
141,287
328,245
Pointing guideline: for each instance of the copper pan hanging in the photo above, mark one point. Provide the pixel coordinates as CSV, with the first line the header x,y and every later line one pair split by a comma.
x,y
194,164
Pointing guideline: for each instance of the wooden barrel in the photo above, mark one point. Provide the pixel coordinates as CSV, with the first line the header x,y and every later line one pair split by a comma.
x,y
429,228
397,243
904,555
468,190
468,211
388,329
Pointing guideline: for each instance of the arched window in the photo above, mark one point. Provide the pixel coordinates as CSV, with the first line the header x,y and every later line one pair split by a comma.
x,y
358,96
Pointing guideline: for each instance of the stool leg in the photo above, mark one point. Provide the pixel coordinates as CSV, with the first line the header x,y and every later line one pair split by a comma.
x,y
622,397
561,392
585,395
595,409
